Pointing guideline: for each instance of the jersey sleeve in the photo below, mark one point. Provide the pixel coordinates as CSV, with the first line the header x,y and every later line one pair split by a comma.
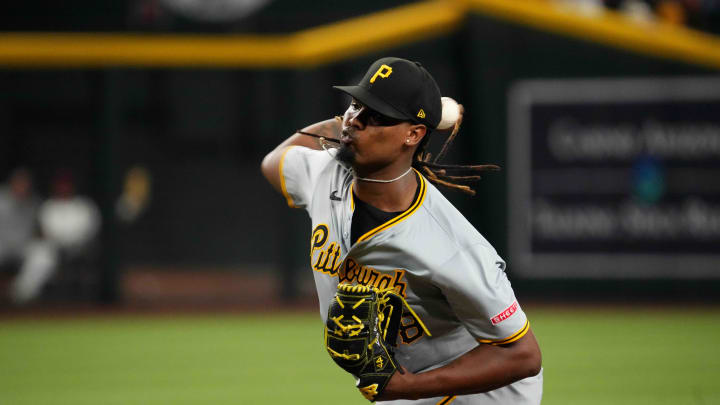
x,y
299,171
478,290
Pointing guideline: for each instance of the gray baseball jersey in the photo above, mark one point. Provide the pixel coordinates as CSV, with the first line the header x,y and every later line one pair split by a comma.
x,y
449,274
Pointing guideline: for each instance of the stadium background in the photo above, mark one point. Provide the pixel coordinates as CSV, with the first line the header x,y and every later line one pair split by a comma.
x,y
184,300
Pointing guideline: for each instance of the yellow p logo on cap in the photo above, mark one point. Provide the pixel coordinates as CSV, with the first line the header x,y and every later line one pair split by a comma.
x,y
384,71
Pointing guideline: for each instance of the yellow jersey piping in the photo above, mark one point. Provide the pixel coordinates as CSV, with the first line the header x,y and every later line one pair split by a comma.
x,y
402,216
352,198
515,336
447,400
289,199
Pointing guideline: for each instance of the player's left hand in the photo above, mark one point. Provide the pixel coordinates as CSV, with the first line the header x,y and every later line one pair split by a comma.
x,y
360,319
399,386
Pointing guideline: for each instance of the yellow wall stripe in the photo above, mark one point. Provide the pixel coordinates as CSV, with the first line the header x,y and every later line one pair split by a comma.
x,y
610,28
347,39
377,31
98,50
311,47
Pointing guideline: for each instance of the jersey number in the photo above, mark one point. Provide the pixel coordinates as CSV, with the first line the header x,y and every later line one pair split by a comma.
x,y
410,330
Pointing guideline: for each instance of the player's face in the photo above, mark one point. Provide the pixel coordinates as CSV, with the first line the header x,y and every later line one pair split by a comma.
x,y
369,139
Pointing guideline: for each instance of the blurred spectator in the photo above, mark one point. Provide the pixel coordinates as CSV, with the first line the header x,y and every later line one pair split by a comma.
x,y
671,11
68,224
699,14
18,210
135,195
703,14
67,220
588,8
640,11
20,249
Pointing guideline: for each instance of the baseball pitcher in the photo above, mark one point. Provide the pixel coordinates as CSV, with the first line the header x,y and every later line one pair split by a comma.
x,y
415,301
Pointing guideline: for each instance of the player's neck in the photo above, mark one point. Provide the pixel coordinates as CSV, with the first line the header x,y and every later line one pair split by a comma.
x,y
389,197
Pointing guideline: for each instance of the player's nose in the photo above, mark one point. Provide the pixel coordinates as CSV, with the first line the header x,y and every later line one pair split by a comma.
x,y
355,118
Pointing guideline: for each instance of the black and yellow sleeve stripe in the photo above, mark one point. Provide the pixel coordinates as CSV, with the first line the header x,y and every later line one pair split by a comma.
x,y
447,400
515,336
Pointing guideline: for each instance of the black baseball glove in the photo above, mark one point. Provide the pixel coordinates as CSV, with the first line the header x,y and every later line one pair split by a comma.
x,y
361,332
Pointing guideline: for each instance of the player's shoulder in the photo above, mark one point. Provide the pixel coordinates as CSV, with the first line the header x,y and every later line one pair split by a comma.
x,y
447,221
303,153
312,160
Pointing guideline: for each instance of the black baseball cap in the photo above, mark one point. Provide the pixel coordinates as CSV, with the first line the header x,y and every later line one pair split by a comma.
x,y
400,89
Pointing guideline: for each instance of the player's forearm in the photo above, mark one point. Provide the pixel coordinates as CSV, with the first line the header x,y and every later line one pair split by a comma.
x,y
329,129
270,165
483,369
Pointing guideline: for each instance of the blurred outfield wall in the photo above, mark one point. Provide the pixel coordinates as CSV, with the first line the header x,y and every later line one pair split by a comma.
x,y
201,124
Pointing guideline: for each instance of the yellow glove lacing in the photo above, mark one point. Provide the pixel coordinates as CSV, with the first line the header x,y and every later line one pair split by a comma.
x,y
354,329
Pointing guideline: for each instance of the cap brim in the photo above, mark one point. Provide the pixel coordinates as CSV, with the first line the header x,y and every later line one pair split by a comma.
x,y
362,95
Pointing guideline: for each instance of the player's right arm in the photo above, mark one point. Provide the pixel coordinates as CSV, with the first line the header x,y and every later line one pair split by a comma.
x,y
476,287
271,163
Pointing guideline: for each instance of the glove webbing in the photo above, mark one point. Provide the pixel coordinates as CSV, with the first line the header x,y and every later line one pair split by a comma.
x,y
383,299
348,356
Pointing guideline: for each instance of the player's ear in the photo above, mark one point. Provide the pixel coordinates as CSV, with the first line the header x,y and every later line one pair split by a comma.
x,y
415,134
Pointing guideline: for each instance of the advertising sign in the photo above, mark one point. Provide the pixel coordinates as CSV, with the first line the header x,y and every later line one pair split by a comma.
x,y
615,178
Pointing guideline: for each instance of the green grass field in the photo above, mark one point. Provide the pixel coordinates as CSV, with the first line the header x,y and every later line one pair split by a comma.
x,y
590,356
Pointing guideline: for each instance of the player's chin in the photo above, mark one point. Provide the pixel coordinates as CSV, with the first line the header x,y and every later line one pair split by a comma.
x,y
346,154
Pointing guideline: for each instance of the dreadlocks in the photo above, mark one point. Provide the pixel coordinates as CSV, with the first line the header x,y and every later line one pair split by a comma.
x,y
450,176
